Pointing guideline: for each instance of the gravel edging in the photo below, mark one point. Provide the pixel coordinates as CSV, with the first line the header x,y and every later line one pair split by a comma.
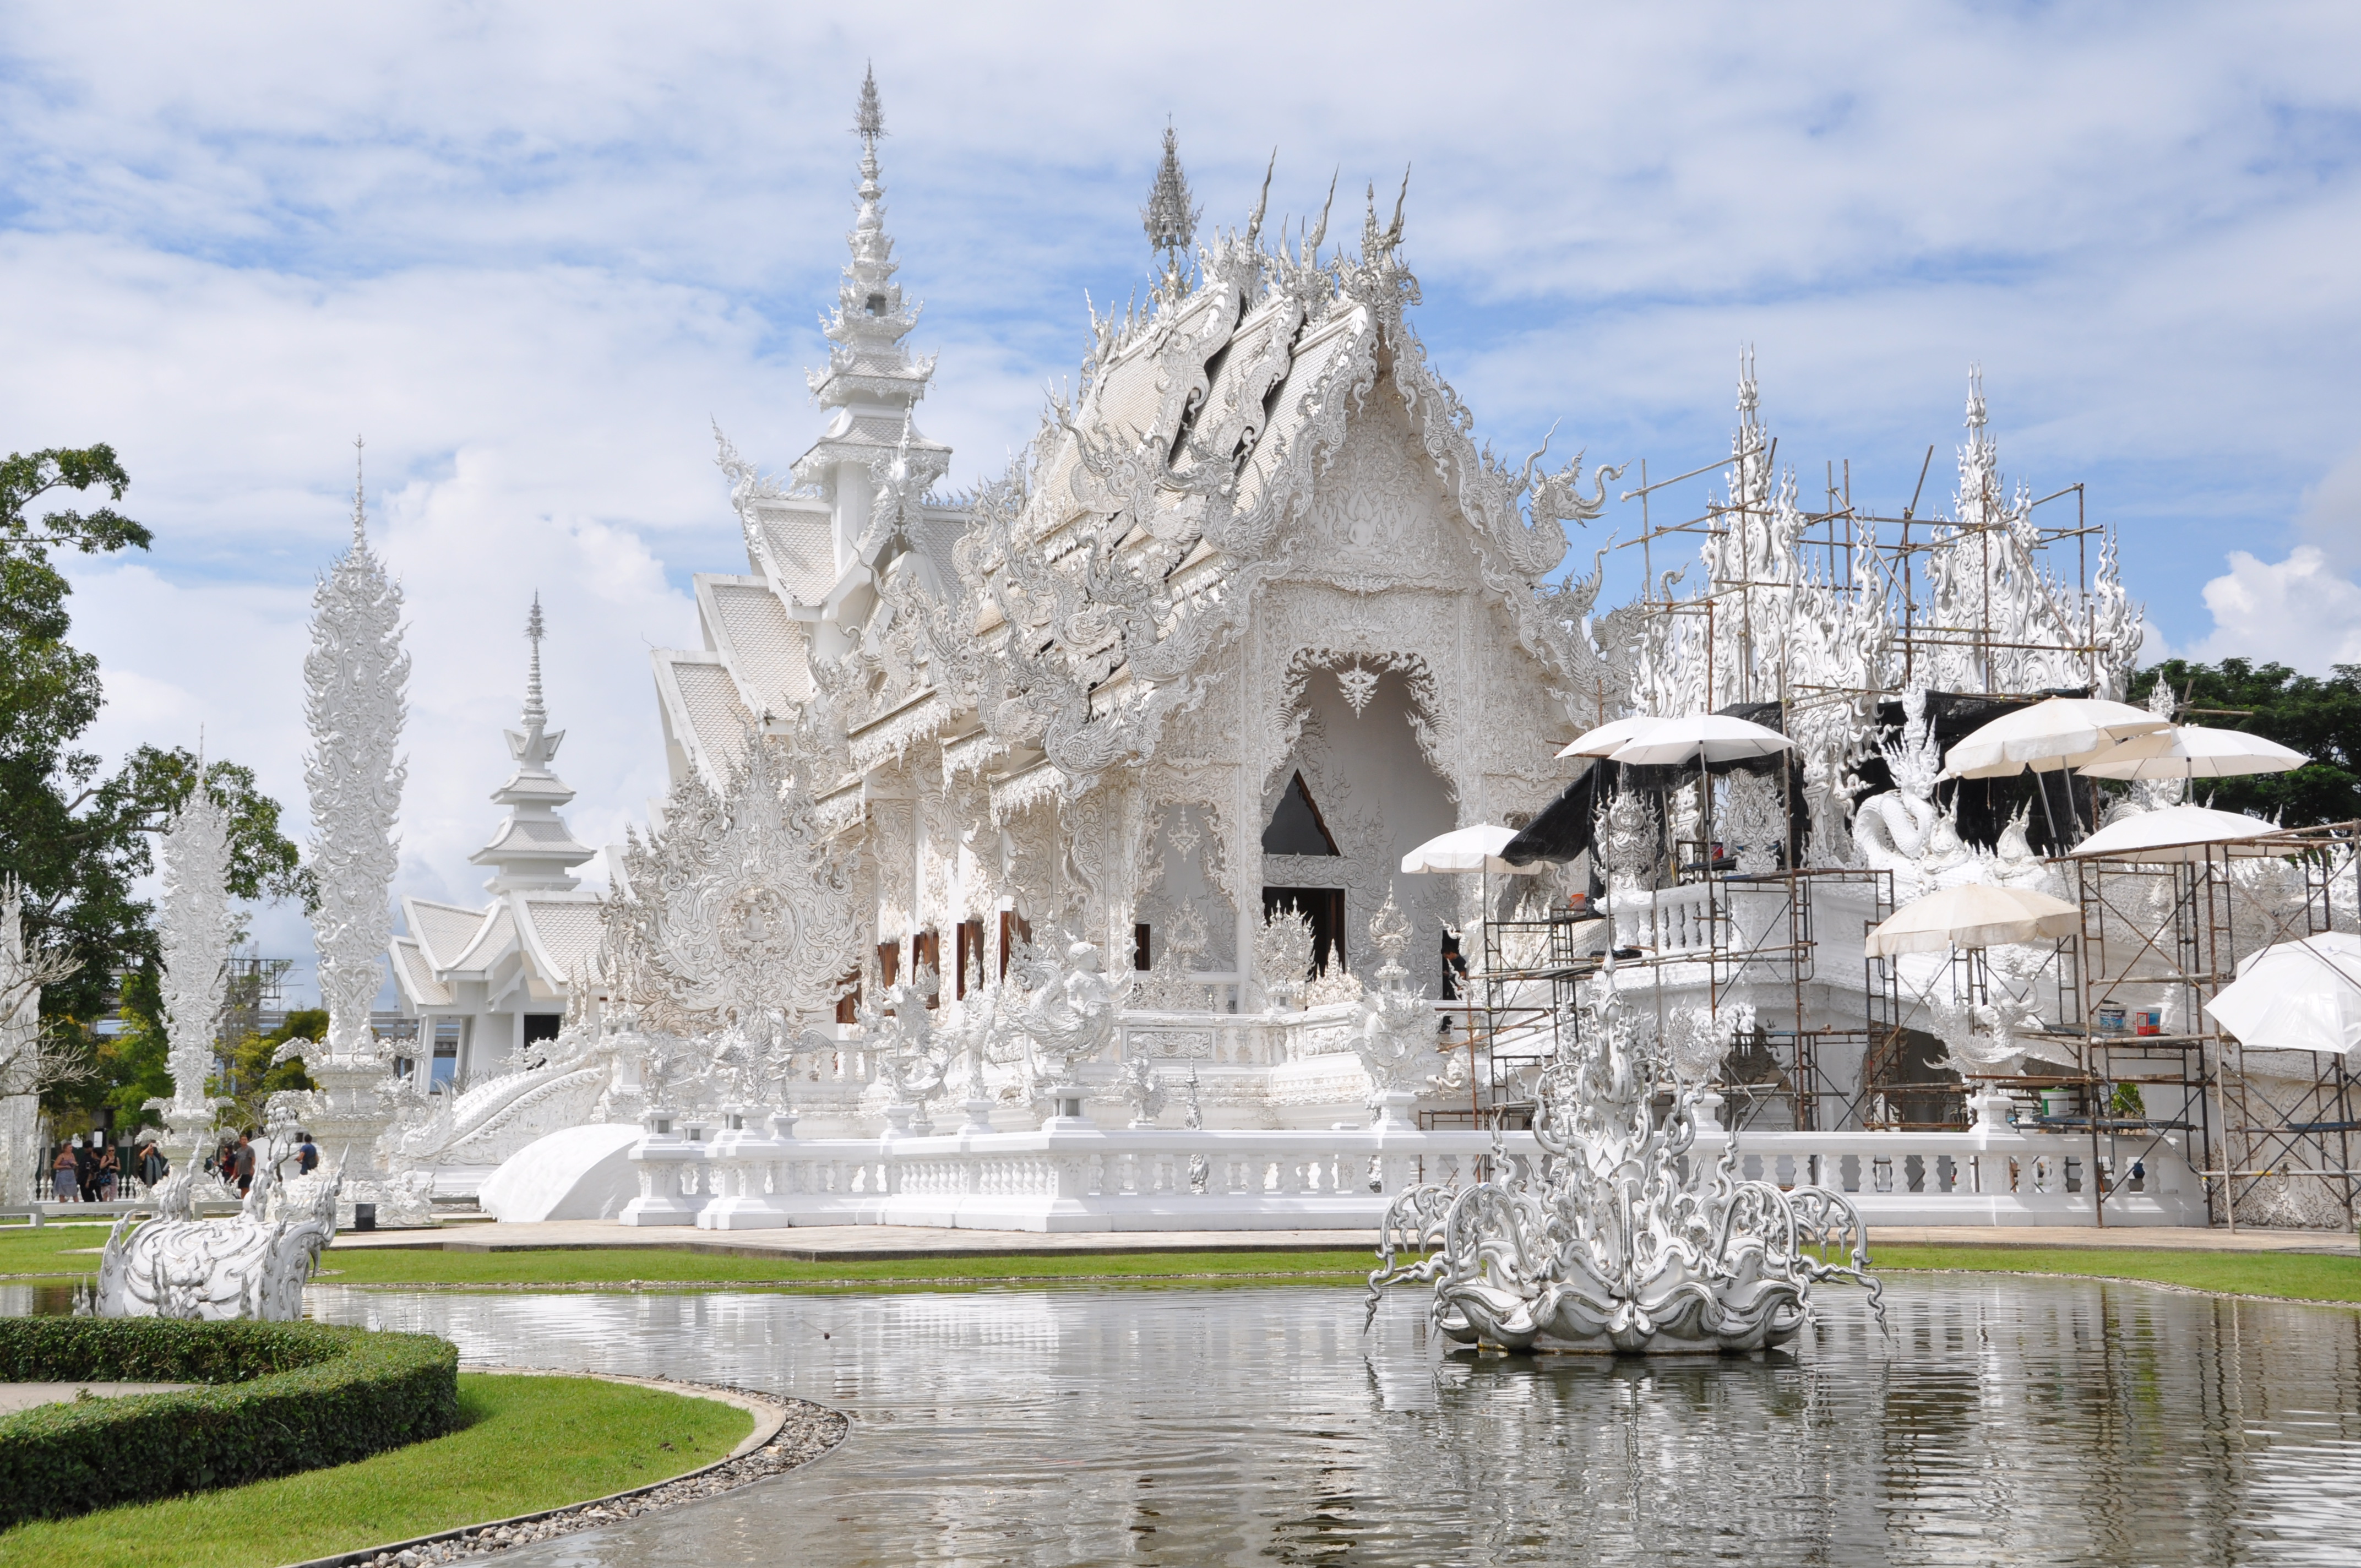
x,y
806,1432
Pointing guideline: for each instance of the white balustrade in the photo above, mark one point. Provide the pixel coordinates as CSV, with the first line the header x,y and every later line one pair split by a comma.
x,y
1666,920
1091,1179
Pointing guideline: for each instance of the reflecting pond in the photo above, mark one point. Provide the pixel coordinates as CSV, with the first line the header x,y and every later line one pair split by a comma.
x,y
2001,1420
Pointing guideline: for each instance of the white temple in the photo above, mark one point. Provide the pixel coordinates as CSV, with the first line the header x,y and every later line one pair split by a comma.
x,y
1083,799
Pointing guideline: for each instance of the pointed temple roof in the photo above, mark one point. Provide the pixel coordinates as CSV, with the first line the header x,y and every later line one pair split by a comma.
x,y
871,378
532,849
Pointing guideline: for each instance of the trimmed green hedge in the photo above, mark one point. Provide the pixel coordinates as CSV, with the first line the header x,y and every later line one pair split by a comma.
x,y
290,1396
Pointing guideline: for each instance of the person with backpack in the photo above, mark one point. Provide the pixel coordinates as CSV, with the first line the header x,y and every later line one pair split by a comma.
x,y
307,1156
110,1167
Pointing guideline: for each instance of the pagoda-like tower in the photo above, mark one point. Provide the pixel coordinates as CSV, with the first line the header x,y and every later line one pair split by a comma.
x,y
872,381
532,850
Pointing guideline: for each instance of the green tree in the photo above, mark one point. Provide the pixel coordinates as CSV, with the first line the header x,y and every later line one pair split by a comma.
x,y
2319,717
253,1077
78,837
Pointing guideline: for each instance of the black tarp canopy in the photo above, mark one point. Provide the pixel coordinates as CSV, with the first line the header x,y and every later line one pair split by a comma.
x,y
1562,829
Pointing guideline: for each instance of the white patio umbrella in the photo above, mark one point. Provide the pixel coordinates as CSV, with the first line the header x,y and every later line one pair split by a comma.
x,y
1475,849
2193,752
1975,916
2176,834
2062,732
1700,738
2296,996
1609,737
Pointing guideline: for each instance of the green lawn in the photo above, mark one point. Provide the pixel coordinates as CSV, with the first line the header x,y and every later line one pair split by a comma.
x,y
679,1266
48,1249
2303,1275
51,1250
529,1443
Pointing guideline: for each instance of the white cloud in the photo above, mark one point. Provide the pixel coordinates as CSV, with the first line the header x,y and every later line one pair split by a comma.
x,y
2297,612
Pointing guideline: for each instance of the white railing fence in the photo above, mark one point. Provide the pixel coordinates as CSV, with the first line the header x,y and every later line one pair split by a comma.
x,y
1085,1178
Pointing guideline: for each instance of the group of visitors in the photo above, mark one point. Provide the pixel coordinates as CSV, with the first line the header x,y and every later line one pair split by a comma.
x,y
89,1169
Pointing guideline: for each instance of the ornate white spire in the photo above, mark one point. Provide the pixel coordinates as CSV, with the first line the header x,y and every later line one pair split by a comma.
x,y
196,944
872,381
1169,217
353,682
533,848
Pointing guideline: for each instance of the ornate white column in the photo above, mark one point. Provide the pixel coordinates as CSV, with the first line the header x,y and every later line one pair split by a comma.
x,y
196,942
353,681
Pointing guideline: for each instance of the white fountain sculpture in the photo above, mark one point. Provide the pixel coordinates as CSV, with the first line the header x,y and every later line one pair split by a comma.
x,y
249,1265
1395,1029
1621,1241
353,681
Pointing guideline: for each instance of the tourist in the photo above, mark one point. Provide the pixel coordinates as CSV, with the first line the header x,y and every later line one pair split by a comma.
x,y
110,1167
67,1182
153,1166
243,1162
307,1156
86,1164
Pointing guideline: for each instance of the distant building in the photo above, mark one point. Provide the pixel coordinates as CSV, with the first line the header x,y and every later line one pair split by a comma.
x,y
485,983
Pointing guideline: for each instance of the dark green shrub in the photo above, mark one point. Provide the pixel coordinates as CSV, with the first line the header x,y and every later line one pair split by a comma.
x,y
287,1397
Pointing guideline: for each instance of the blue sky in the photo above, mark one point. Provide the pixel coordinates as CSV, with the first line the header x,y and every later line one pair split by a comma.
x,y
532,251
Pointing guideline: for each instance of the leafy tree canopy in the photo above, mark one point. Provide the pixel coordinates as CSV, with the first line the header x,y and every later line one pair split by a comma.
x,y
80,838
2319,717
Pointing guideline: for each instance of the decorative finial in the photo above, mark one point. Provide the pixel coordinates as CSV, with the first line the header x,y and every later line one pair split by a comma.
x,y
1262,203
868,124
1976,397
1312,241
535,715
1746,400
1170,220
360,514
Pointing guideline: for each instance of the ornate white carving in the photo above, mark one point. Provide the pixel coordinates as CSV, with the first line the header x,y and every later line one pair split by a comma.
x,y
353,680
1068,1013
1620,1240
1284,957
738,910
1143,1091
252,1265
195,940
1395,1030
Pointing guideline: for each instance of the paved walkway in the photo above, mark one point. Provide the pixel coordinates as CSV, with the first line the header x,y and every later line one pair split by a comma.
x,y
15,1397
844,1244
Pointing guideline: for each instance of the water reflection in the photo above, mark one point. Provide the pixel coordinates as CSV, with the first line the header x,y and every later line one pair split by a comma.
x,y
2004,1420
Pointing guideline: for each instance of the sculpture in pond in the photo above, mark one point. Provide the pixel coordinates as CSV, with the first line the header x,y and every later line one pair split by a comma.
x,y
1619,1241
248,1265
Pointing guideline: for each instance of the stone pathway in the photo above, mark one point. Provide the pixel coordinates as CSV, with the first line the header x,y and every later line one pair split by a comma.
x,y
15,1397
